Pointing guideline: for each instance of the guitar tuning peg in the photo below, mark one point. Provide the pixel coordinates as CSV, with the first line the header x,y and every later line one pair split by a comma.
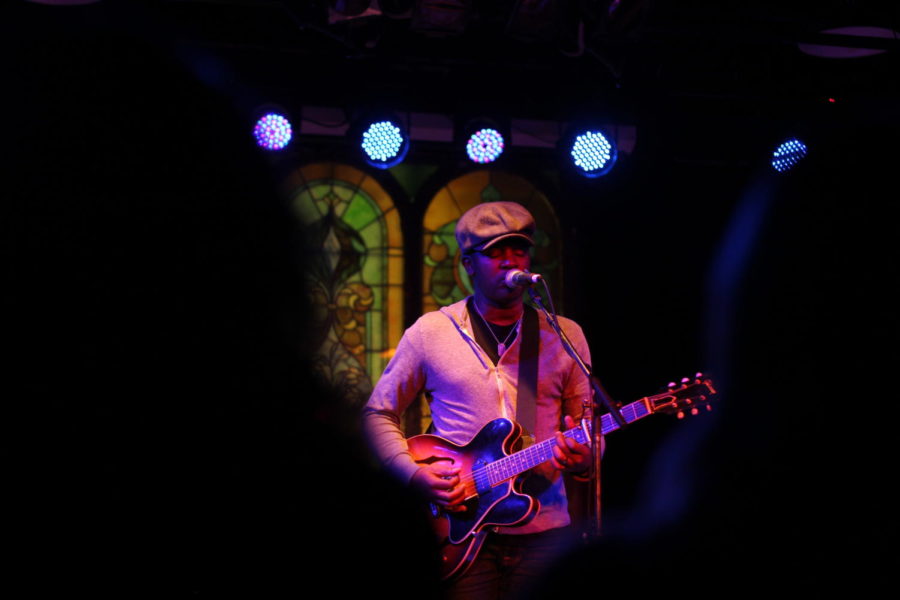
x,y
671,384
685,380
699,375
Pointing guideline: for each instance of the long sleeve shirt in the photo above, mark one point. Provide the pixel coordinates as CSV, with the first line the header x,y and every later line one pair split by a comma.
x,y
439,356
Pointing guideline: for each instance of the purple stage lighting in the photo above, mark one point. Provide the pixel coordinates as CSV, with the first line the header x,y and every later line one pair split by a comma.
x,y
272,132
485,145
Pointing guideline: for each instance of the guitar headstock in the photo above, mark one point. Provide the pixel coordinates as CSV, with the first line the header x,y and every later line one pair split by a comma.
x,y
686,397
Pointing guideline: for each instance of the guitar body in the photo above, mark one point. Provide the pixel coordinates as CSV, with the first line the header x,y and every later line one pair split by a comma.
x,y
460,533
489,469
456,558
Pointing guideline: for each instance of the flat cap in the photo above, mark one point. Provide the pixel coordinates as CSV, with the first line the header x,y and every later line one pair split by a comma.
x,y
485,224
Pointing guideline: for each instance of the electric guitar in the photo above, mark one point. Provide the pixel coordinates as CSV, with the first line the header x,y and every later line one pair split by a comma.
x,y
488,471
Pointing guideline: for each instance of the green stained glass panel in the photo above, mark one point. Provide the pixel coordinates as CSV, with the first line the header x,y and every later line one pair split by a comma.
x,y
361,212
344,192
375,317
353,301
321,206
373,268
372,234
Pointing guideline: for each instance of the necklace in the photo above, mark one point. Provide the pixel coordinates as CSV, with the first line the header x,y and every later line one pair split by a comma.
x,y
501,346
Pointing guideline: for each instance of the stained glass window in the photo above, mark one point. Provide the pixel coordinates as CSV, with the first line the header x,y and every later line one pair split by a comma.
x,y
355,275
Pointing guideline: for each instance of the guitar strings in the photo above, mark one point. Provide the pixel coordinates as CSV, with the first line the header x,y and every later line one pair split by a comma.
x,y
496,468
632,412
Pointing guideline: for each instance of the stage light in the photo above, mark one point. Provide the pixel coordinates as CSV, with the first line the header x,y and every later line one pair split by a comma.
x,y
485,145
788,154
384,143
593,153
273,131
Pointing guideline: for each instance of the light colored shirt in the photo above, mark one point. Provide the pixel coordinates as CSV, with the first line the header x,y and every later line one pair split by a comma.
x,y
439,356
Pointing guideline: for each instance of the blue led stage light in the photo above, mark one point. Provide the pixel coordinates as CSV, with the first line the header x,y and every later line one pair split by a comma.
x,y
385,144
593,153
788,154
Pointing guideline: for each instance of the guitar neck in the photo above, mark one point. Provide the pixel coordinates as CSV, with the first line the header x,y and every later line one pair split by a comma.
x,y
519,462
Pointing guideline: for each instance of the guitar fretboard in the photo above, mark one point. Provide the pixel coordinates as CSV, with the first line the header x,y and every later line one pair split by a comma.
x,y
516,464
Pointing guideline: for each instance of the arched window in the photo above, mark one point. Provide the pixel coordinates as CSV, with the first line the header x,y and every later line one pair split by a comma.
x,y
355,273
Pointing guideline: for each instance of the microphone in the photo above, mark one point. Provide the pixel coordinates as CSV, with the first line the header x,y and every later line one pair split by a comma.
x,y
521,278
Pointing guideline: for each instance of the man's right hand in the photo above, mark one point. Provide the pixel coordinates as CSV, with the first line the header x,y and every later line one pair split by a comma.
x,y
439,483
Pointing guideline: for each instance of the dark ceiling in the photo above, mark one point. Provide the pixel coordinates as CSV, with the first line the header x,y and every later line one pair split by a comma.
x,y
630,60
719,55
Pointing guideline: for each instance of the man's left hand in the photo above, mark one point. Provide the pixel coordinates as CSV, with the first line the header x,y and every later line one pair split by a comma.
x,y
569,455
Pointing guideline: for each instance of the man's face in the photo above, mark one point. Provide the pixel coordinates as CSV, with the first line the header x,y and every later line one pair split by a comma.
x,y
488,268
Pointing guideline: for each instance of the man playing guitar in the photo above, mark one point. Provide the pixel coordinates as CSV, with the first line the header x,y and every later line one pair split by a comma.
x,y
469,360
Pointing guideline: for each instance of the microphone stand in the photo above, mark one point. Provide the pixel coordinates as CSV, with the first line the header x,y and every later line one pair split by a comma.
x,y
596,425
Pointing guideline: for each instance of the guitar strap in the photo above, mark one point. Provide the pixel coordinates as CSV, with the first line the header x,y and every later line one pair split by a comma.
x,y
526,388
